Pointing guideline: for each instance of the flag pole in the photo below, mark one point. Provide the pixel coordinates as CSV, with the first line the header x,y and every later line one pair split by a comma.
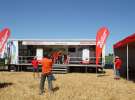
x,y
96,70
127,64
114,62
103,57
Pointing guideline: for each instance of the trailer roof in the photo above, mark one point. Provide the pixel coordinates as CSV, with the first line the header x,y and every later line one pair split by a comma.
x,y
129,39
57,41
53,39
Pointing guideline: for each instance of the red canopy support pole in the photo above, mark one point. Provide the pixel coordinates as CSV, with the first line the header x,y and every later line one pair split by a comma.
x,y
127,64
114,62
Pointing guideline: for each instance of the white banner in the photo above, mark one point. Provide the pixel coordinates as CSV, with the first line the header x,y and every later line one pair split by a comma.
x,y
14,52
39,53
85,55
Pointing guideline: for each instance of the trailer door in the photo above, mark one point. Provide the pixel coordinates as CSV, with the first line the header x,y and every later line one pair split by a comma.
x,y
85,55
39,53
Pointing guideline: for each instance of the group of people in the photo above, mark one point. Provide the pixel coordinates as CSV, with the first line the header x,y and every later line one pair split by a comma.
x,y
60,58
46,63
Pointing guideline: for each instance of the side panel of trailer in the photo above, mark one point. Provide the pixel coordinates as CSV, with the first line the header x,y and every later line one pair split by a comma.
x,y
82,54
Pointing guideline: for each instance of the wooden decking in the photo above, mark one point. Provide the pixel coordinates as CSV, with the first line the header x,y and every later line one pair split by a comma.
x,y
57,68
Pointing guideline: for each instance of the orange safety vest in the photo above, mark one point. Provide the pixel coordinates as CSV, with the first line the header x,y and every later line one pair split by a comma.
x,y
46,65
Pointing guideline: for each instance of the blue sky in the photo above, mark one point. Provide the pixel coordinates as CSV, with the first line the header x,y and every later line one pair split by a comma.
x,y
48,19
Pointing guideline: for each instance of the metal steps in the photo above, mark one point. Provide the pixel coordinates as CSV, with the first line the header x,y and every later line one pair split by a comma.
x,y
60,69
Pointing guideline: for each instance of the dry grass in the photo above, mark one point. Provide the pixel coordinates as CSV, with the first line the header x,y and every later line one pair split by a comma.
x,y
72,86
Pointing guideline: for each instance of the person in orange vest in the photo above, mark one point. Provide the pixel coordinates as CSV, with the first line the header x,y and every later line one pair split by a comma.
x,y
35,67
46,72
117,63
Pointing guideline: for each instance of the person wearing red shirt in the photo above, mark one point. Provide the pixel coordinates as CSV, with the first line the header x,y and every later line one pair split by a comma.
x,y
46,72
35,67
118,63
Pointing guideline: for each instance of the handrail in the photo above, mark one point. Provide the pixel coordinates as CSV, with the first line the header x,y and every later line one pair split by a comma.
x,y
71,60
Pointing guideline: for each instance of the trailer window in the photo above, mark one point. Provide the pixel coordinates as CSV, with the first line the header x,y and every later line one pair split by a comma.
x,y
71,49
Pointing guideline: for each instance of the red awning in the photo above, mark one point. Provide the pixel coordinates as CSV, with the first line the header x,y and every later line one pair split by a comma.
x,y
125,41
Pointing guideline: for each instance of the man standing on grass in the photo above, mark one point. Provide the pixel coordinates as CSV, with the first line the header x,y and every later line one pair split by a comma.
x,y
118,63
46,72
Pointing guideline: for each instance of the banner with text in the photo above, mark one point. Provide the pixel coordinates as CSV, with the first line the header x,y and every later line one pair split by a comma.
x,y
4,35
101,37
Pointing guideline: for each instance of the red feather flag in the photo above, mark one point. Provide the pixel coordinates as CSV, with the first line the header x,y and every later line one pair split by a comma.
x,y
4,35
101,37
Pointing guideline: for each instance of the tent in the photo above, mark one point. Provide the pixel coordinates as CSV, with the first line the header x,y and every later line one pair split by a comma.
x,y
126,50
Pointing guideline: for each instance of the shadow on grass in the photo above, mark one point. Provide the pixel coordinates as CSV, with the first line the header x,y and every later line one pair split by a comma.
x,y
55,89
4,85
102,75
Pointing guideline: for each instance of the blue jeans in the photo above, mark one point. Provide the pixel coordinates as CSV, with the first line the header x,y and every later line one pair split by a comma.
x,y
42,81
117,73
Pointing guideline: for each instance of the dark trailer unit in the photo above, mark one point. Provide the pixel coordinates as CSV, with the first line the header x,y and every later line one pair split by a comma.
x,y
125,49
77,52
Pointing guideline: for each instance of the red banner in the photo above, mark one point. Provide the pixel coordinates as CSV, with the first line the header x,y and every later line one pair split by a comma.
x,y
101,37
4,35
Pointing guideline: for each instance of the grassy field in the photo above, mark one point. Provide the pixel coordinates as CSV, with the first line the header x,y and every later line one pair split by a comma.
x,y
72,86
